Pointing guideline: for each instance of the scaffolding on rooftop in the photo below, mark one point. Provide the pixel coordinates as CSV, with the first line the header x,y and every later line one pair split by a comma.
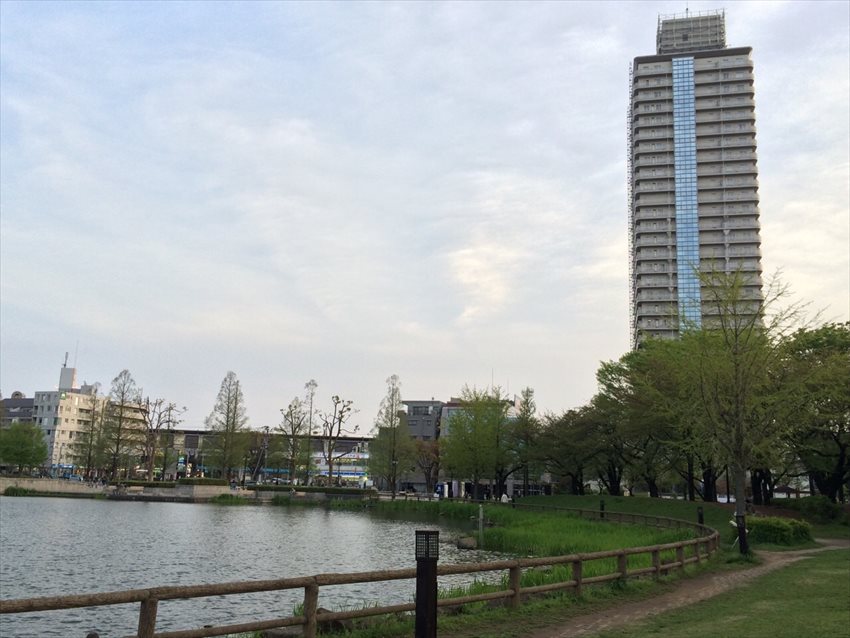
x,y
691,31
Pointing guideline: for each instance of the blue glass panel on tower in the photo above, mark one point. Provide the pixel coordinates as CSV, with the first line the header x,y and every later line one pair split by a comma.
x,y
685,171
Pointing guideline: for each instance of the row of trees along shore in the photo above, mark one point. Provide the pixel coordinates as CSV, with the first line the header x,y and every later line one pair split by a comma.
x,y
751,391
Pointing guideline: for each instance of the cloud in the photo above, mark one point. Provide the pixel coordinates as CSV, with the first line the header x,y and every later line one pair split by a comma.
x,y
347,191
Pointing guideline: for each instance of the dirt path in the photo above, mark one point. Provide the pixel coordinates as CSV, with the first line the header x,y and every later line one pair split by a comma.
x,y
687,592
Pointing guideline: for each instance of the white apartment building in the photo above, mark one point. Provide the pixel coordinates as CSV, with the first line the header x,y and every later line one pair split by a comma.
x,y
693,176
62,414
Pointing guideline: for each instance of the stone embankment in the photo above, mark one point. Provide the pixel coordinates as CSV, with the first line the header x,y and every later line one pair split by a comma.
x,y
178,493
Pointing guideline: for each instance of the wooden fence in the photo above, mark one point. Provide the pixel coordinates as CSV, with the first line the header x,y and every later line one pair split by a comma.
x,y
688,551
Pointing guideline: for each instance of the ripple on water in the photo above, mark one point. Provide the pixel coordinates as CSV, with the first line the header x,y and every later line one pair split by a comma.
x,y
54,546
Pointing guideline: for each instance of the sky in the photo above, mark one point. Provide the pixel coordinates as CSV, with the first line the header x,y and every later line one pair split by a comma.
x,y
346,191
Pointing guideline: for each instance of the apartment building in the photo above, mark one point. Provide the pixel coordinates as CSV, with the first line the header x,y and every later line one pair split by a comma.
x,y
16,409
693,175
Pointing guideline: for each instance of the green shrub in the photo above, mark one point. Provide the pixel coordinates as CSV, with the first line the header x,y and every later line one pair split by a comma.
x,y
201,481
354,491
779,531
816,508
144,483
17,491
231,499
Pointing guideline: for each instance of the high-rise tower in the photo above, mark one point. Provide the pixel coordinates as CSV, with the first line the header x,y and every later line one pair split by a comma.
x,y
693,179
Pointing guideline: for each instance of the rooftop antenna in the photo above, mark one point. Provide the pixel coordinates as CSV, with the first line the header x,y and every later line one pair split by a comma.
x,y
65,365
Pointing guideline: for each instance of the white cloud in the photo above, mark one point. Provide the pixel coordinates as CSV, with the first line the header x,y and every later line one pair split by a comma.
x,y
347,191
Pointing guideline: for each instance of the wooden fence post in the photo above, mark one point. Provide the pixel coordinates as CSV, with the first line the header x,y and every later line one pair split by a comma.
x,y
577,576
515,577
311,605
147,618
680,557
623,565
656,563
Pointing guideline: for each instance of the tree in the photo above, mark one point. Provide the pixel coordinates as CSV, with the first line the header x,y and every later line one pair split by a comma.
x,y
310,387
821,438
645,387
747,390
427,459
333,424
88,449
122,431
604,420
23,444
226,447
565,447
391,451
293,429
523,433
258,448
158,417
470,448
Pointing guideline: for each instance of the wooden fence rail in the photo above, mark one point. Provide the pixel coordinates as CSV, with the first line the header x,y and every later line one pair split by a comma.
x,y
699,549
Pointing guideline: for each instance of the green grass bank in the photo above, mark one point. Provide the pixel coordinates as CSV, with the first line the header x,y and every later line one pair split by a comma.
x,y
807,598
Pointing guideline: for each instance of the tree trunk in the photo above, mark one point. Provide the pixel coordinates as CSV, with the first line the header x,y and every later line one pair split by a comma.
x,y
739,474
690,478
575,484
653,486
615,476
756,485
525,480
709,483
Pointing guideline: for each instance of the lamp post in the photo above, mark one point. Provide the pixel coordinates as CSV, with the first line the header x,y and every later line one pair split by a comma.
x,y
427,553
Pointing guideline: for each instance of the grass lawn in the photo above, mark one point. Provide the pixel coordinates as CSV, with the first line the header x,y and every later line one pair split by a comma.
x,y
808,598
717,515
480,620
825,598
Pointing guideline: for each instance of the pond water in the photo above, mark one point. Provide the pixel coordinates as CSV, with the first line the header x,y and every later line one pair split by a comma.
x,y
58,546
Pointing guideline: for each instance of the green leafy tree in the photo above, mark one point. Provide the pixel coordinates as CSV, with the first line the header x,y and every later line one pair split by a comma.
x,y
655,403
427,460
746,387
821,436
566,449
604,421
523,434
471,448
226,446
123,430
23,444
391,451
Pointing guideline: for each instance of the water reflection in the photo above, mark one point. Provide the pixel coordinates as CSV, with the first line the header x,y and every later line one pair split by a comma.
x,y
55,546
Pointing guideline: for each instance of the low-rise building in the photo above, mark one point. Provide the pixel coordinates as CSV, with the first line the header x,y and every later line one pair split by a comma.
x,y
16,409
62,414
